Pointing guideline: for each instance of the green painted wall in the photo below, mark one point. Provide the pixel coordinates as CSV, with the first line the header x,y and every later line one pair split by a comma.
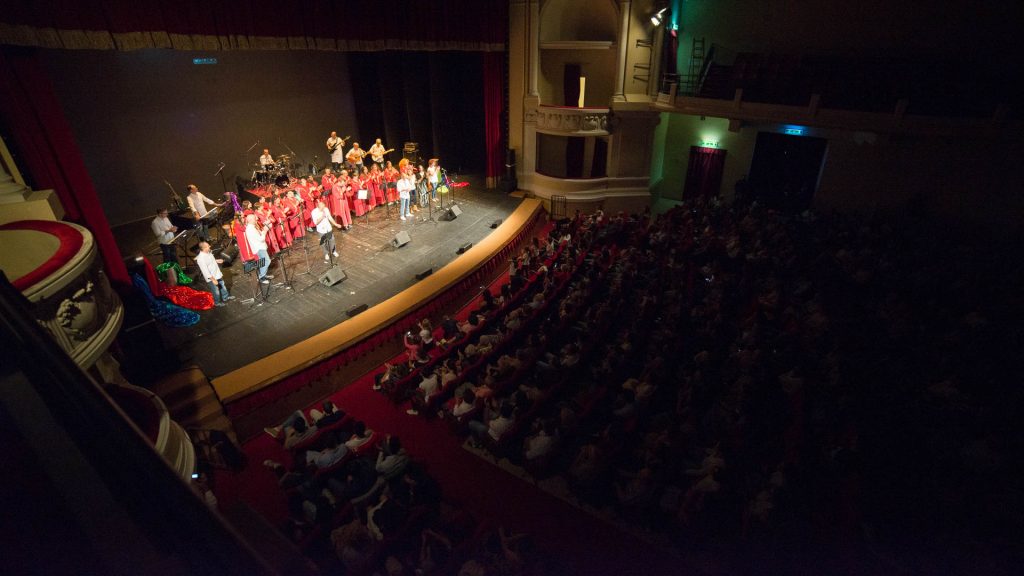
x,y
678,132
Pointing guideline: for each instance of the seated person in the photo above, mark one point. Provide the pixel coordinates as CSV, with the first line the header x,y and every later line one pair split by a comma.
x,y
426,334
360,436
392,375
449,329
492,338
386,517
542,443
464,404
416,488
391,459
471,324
333,453
357,477
496,426
330,415
412,344
295,428
427,387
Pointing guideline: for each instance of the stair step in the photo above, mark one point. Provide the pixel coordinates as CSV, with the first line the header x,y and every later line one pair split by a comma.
x,y
190,414
180,400
184,379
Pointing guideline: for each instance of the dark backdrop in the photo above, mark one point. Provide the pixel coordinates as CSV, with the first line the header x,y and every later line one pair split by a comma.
x,y
145,116
432,98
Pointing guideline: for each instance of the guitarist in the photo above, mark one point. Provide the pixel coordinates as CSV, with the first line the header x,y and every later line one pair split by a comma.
x,y
354,158
377,153
337,147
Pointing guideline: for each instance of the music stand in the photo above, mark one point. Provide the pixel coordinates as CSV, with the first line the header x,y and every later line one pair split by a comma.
x,y
364,195
284,269
305,245
249,267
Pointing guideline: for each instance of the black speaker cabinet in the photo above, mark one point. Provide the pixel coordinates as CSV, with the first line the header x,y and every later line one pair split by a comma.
x,y
333,276
453,212
228,254
400,239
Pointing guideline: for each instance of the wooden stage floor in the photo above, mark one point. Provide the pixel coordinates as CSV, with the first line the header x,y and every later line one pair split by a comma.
x,y
232,336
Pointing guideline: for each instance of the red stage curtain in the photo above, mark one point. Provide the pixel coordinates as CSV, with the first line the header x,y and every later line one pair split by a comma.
x,y
704,176
257,24
494,107
49,155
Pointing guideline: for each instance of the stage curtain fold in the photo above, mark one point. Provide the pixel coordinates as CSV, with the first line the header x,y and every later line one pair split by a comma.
x,y
494,108
47,151
475,25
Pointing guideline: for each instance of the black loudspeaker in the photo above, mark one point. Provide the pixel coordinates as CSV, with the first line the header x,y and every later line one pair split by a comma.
x,y
453,212
425,273
356,310
400,239
228,255
464,248
496,223
333,276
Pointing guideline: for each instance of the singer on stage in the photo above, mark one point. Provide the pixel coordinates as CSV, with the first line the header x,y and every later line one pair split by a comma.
x,y
325,226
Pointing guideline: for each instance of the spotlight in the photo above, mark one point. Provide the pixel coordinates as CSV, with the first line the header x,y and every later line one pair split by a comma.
x,y
658,17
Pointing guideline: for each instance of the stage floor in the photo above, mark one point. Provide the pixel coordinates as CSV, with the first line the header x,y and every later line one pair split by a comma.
x,y
232,336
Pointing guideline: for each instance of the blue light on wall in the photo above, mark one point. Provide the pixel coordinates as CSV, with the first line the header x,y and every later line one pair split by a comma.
x,y
204,61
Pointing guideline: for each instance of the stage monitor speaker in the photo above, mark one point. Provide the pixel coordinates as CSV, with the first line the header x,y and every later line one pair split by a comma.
x,y
425,273
453,212
228,255
356,310
333,276
400,239
496,223
464,248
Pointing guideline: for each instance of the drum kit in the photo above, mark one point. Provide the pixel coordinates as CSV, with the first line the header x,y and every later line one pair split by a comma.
x,y
272,173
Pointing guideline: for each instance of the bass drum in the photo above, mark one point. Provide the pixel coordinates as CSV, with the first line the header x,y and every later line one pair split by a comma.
x,y
281,181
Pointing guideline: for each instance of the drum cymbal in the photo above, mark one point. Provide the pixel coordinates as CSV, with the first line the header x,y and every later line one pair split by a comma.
x,y
284,157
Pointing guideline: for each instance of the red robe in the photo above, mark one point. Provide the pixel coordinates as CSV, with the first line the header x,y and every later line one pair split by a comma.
x,y
264,216
376,189
281,228
308,202
391,176
244,252
359,206
327,182
296,227
339,203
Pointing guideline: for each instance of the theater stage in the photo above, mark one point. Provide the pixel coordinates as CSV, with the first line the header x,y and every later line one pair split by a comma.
x,y
235,335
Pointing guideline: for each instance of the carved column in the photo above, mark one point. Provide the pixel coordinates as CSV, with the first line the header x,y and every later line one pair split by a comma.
x,y
534,46
625,8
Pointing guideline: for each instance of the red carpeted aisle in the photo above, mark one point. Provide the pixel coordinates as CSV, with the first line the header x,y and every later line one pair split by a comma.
x,y
580,541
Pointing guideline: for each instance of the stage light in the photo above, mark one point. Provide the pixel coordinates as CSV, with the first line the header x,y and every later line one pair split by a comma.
x,y
658,17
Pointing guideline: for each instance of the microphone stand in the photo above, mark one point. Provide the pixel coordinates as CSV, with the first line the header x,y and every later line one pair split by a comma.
x,y
247,164
220,172
305,234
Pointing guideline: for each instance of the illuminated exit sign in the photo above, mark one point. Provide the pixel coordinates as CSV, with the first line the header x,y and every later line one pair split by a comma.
x,y
794,131
204,60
